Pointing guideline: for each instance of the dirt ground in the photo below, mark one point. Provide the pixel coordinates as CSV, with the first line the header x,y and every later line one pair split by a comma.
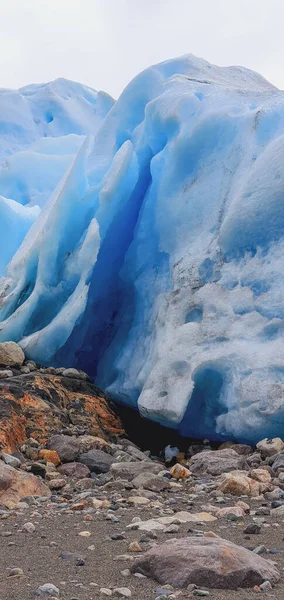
x,y
38,553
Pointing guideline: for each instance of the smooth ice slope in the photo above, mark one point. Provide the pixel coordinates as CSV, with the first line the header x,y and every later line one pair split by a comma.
x,y
157,264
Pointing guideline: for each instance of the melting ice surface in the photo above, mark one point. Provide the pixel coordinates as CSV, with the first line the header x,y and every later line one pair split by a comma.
x,y
142,241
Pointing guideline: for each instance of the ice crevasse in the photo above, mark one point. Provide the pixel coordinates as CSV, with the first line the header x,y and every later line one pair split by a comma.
x,y
148,246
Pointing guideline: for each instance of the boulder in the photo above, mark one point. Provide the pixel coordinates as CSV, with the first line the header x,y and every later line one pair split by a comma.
x,y
210,562
66,446
136,453
215,462
97,461
278,463
16,484
151,482
92,442
244,449
130,470
11,460
180,472
227,511
11,354
238,483
269,447
74,469
161,523
261,475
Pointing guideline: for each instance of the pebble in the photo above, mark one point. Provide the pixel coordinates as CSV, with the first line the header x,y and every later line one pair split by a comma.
x,y
85,533
16,572
28,527
134,547
201,593
48,589
266,586
105,592
122,592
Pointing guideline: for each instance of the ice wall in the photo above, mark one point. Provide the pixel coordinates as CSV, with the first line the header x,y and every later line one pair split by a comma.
x,y
157,263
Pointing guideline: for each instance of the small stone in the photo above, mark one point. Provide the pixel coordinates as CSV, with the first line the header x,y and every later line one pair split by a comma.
x,y
28,527
252,529
16,572
126,572
56,484
138,500
10,460
210,534
201,593
48,589
172,529
6,373
85,533
105,592
134,547
122,592
266,586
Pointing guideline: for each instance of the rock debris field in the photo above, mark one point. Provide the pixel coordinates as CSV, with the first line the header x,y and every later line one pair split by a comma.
x,y
85,519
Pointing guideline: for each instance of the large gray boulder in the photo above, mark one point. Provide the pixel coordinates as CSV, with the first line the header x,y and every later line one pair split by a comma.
x,y
151,482
210,562
11,354
97,461
216,462
129,470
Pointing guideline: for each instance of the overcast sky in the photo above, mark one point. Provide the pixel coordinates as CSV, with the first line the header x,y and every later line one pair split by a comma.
x,y
104,43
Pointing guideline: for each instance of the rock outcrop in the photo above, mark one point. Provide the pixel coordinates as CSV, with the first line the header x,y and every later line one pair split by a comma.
x,y
38,404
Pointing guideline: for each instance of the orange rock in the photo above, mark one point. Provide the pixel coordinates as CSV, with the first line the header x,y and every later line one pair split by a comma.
x,y
50,456
35,405
180,472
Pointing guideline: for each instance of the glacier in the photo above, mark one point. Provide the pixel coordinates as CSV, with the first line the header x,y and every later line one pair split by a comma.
x,y
142,241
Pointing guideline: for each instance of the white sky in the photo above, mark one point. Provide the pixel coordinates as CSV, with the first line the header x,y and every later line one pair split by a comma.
x,y
104,43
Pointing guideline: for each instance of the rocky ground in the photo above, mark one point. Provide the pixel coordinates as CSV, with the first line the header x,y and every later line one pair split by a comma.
x,y
87,530
85,514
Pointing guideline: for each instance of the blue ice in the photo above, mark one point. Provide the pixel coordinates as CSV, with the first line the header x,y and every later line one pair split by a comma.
x,y
149,242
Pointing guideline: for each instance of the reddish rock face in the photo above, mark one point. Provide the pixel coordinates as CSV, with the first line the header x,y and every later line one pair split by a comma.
x,y
37,405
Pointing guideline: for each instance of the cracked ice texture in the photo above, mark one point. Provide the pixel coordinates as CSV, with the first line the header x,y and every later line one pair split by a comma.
x,y
157,262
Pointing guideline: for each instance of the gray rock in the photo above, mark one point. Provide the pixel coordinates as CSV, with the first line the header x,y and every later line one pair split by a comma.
x,y
11,354
11,460
48,589
6,374
136,453
28,527
97,461
74,374
216,462
67,447
74,469
151,482
209,562
122,592
130,470
278,463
